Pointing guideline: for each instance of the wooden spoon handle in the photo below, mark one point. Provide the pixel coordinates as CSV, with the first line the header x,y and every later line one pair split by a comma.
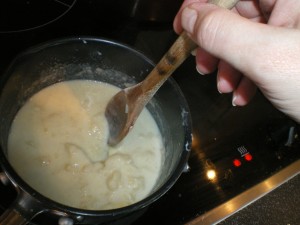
x,y
175,56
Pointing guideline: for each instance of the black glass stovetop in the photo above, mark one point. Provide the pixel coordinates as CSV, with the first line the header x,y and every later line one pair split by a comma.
x,y
233,148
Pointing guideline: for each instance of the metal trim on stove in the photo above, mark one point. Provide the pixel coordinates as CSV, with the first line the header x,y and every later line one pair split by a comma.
x,y
239,202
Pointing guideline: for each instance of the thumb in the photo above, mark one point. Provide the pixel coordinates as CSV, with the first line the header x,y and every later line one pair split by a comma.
x,y
220,32
244,44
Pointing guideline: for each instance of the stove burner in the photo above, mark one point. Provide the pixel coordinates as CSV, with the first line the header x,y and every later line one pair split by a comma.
x,y
18,16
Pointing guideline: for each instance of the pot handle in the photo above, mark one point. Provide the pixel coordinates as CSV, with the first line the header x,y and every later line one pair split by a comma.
x,y
22,210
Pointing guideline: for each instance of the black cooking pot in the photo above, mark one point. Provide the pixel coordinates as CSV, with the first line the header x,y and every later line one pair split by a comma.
x,y
93,59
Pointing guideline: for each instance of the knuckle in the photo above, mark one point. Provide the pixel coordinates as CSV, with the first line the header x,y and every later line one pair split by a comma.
x,y
209,27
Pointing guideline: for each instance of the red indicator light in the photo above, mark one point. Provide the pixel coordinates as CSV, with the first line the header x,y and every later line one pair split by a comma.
x,y
237,163
248,157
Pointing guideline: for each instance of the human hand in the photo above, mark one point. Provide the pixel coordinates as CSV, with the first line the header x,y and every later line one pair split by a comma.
x,y
255,44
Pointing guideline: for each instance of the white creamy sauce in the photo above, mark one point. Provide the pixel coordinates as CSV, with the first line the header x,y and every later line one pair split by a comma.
x,y
58,145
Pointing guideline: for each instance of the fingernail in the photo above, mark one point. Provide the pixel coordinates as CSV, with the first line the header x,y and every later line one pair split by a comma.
x,y
194,52
234,97
199,71
218,84
188,19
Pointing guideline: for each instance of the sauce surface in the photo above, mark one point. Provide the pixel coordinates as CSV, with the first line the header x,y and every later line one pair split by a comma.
x,y
58,145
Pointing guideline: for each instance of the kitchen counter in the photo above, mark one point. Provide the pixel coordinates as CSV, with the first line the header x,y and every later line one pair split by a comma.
x,y
279,207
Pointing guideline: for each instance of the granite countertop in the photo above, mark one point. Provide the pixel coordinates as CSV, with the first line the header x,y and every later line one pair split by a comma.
x,y
279,207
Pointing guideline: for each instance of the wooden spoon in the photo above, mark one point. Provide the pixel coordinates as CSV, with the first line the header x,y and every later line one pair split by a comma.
x,y
124,108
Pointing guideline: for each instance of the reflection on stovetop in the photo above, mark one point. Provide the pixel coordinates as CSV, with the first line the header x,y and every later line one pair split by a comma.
x,y
233,148
18,16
